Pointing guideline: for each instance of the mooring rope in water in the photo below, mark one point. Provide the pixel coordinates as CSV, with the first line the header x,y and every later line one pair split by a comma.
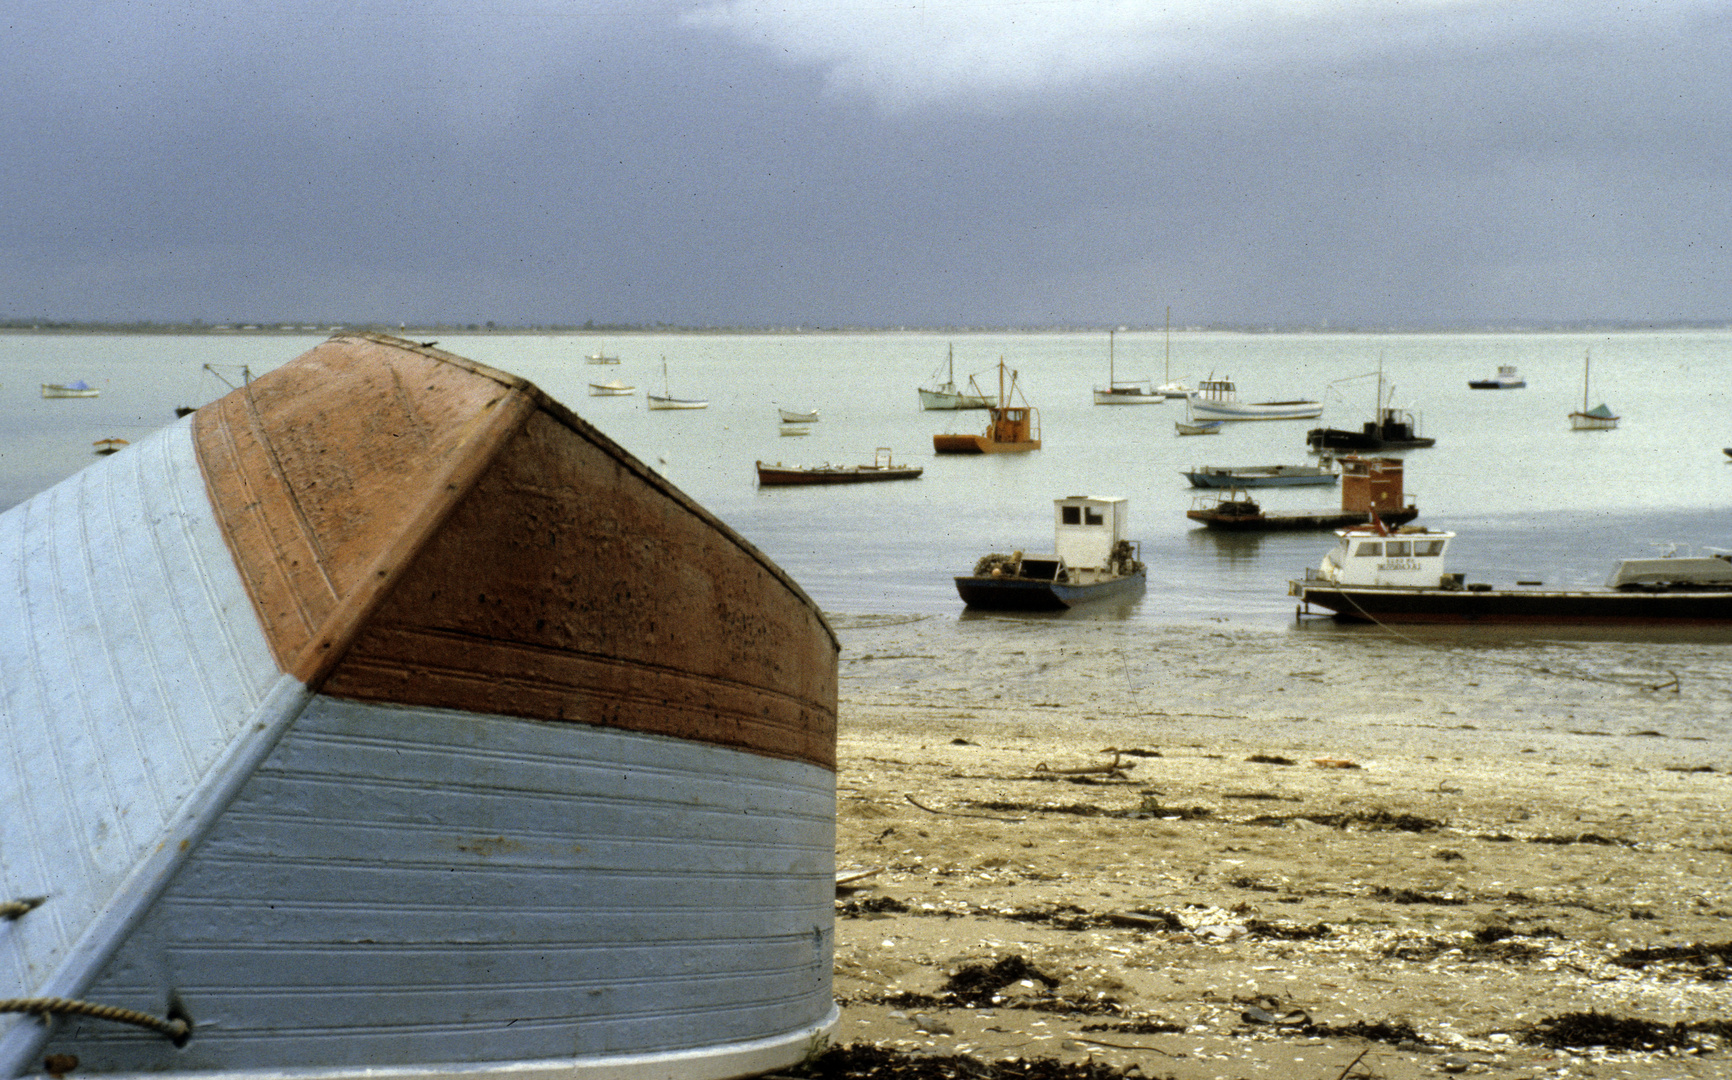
x,y
175,1028
1671,684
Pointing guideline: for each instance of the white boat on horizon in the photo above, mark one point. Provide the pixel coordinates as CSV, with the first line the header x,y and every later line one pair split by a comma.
x,y
666,400
1506,379
76,389
1218,399
1598,418
944,396
1124,393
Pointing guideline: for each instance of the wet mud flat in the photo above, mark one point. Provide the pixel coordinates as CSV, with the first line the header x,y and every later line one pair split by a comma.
x,y
1397,864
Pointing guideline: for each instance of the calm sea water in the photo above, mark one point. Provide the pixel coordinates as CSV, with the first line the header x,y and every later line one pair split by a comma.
x,y
1531,499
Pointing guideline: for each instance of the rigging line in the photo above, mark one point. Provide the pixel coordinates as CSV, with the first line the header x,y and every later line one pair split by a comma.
x,y
1671,684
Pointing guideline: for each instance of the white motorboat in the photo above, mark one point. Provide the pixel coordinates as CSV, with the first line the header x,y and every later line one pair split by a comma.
x,y
791,417
611,389
1505,379
1218,399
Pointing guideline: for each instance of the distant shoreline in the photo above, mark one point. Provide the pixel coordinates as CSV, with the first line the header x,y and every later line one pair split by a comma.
x,y
283,329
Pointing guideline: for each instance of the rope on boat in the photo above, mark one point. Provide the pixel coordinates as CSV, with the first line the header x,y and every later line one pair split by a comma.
x,y
13,910
1671,684
176,1028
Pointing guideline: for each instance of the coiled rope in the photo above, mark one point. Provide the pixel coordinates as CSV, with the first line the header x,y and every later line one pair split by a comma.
x,y
175,1027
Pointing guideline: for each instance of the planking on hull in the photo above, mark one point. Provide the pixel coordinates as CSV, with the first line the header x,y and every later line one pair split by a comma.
x,y
388,718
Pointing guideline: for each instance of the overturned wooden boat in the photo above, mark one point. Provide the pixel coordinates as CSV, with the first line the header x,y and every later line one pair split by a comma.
x,y
881,468
387,719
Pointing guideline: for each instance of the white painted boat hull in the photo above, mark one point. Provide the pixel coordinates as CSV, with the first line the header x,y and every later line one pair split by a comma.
x,y
1268,410
238,810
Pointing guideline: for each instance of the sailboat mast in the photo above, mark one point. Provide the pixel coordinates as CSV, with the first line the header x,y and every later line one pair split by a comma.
x,y
1169,343
1585,357
1112,374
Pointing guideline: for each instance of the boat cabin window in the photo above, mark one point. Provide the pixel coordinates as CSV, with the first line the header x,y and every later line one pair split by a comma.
x,y
1070,515
1428,547
1399,549
1369,547
1093,517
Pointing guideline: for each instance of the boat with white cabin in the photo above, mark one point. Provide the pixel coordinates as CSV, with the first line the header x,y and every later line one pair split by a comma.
x,y
1091,560
1506,379
1218,399
1377,574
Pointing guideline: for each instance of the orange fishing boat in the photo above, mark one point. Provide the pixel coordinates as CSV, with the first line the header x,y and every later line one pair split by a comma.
x,y
1010,429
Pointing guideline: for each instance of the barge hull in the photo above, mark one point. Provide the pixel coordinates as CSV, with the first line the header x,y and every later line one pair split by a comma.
x,y
1518,607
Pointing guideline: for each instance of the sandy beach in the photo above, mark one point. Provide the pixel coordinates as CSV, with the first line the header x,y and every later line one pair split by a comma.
x,y
1224,852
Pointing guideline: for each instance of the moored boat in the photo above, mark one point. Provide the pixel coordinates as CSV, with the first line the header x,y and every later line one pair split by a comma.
x,y
599,357
76,389
1010,428
1197,427
382,777
1369,487
1375,574
1389,429
790,416
1598,418
1218,399
881,468
1124,393
945,396
1505,379
614,388
1091,560
666,400
1247,476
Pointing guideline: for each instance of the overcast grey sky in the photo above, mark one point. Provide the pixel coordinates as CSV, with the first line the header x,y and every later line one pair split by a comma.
x,y
868,162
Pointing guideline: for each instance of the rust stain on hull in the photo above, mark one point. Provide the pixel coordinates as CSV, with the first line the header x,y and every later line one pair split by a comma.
x,y
419,529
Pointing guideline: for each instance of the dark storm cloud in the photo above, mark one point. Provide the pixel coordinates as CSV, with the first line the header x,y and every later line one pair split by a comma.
x,y
986,163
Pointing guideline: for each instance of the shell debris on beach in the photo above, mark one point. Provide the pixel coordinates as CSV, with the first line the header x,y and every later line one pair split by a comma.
x,y
1231,853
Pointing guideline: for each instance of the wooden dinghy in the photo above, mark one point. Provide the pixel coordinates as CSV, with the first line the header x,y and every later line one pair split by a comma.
x,y
384,718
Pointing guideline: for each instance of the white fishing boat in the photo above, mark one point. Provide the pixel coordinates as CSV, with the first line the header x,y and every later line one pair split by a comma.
x,y
1197,427
1124,393
599,357
1091,559
1598,418
332,756
945,395
1218,399
78,389
790,416
1506,378
665,400
615,388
